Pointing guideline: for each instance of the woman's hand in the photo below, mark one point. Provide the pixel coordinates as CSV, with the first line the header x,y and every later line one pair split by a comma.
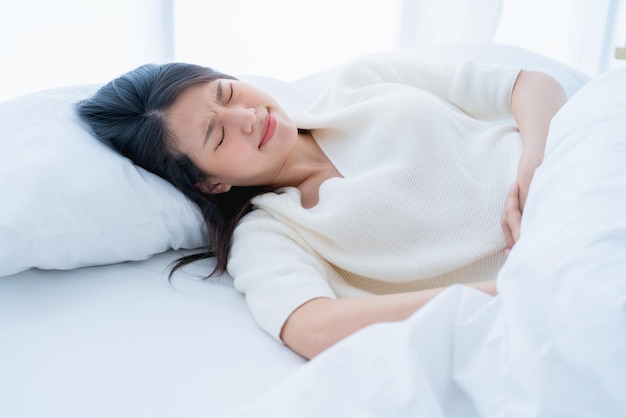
x,y
516,198
512,217
528,163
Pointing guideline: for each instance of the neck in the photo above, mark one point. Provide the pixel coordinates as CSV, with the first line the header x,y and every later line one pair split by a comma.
x,y
306,162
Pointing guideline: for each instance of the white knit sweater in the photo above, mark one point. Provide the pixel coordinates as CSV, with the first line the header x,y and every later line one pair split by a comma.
x,y
427,153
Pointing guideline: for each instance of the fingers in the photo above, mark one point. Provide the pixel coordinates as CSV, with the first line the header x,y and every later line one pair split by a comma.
x,y
507,233
512,211
511,217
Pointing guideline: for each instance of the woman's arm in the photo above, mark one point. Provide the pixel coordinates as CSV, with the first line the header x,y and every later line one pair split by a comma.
x,y
535,100
322,322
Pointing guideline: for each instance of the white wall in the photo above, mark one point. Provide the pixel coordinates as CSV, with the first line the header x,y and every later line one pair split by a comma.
x,y
46,44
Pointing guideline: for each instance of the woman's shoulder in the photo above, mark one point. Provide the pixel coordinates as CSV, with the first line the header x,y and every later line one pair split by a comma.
x,y
264,206
271,218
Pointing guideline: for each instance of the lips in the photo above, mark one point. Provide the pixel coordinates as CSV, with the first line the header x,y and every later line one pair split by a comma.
x,y
269,127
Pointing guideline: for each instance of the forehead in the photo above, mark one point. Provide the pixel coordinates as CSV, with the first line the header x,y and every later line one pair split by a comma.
x,y
191,97
188,117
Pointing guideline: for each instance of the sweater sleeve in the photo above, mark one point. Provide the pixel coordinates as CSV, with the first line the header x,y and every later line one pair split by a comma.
x,y
483,91
271,266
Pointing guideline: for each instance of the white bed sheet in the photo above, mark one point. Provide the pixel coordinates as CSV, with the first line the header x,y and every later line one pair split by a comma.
x,y
119,341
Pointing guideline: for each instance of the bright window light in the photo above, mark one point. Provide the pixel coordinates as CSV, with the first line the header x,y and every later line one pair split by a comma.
x,y
284,39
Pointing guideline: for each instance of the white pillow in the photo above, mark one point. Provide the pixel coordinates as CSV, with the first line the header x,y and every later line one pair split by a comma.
x,y
69,201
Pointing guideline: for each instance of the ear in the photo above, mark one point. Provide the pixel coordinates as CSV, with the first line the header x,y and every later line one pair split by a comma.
x,y
210,187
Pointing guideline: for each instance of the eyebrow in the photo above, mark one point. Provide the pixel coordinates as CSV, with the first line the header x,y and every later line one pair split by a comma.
x,y
218,99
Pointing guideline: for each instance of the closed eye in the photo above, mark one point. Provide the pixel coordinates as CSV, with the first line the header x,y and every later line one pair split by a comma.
x,y
231,93
222,138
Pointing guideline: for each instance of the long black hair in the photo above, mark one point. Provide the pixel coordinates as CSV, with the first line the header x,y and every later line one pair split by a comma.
x,y
128,114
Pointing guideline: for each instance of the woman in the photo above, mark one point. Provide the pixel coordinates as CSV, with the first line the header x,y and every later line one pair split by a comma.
x,y
388,189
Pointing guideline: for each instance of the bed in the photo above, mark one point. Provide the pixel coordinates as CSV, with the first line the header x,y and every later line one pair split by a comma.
x,y
90,326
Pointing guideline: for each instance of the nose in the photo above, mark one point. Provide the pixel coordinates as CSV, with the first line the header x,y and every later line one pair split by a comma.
x,y
242,118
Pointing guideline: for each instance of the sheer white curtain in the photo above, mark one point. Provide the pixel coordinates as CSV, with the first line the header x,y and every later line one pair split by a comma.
x,y
580,33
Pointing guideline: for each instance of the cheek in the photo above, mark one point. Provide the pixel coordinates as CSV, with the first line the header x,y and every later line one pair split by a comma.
x,y
241,152
285,128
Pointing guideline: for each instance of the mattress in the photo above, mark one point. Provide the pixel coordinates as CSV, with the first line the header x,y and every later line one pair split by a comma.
x,y
121,340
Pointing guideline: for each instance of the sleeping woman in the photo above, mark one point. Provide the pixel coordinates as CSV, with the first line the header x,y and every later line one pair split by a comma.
x,y
401,179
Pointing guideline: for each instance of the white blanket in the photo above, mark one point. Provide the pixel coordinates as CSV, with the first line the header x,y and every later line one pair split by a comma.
x,y
551,344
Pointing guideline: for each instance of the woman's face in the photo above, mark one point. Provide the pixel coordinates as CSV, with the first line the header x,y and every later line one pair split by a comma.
x,y
233,132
